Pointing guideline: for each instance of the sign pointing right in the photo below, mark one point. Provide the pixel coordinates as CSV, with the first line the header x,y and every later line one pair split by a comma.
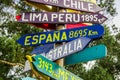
x,y
87,54
71,4
60,17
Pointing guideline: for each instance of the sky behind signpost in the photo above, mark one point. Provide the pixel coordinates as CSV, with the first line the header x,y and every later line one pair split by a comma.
x,y
116,19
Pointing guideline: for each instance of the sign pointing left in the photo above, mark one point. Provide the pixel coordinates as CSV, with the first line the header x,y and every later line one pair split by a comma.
x,y
93,32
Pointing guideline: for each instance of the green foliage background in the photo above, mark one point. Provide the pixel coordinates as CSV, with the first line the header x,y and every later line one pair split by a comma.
x,y
10,31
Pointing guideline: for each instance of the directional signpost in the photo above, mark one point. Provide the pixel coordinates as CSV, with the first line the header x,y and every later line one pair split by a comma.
x,y
93,32
67,49
71,4
41,6
51,69
88,54
77,38
60,17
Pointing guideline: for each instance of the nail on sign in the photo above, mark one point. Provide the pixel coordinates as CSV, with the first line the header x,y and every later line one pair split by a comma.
x,y
61,17
93,32
67,49
41,64
71,4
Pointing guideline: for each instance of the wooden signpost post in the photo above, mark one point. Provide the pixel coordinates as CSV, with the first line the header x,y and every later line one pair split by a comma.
x,y
71,4
42,64
93,32
77,38
60,17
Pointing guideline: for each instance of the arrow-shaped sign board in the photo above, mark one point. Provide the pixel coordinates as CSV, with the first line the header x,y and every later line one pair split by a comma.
x,y
60,17
87,54
48,8
71,4
67,49
43,49
41,64
93,32
28,78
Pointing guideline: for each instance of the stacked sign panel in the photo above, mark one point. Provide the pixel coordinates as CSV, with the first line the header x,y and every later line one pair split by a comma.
x,y
77,38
